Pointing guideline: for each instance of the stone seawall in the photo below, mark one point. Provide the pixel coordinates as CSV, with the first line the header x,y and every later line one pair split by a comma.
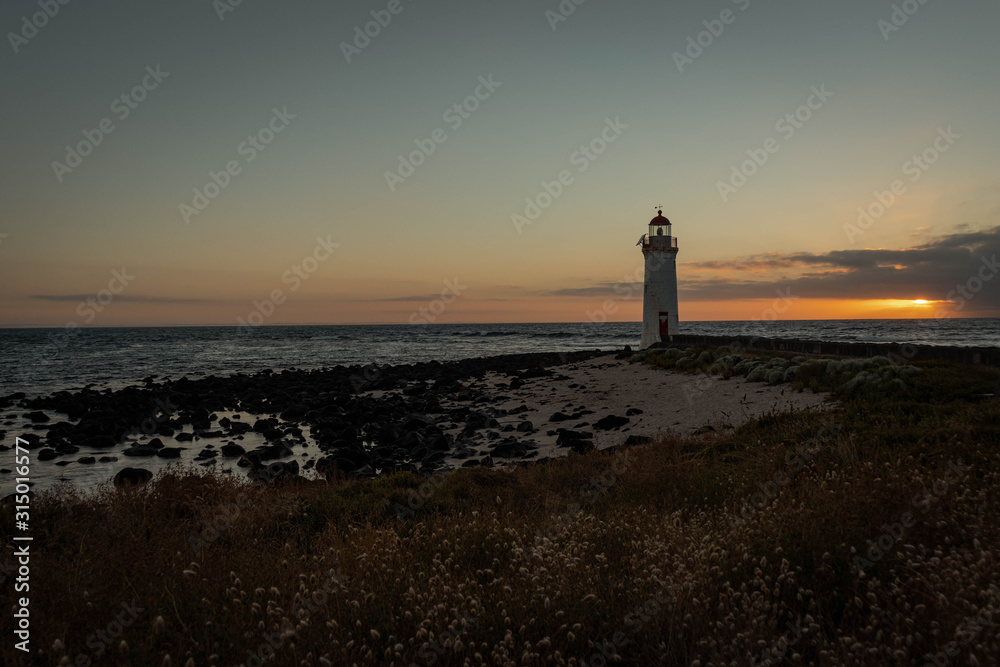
x,y
989,356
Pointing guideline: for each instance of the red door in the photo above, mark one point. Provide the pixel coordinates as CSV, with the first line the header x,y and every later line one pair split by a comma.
x,y
664,324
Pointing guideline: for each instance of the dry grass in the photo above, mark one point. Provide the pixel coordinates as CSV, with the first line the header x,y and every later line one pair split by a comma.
x,y
660,554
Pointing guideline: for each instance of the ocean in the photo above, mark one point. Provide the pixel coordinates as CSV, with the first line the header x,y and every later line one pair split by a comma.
x,y
41,361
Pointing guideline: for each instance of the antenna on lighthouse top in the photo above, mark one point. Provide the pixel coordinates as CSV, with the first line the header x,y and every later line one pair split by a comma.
x,y
659,208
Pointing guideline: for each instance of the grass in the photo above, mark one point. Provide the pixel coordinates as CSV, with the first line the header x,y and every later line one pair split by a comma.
x,y
704,551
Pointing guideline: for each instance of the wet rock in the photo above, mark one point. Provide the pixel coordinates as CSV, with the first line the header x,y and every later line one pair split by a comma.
x,y
560,417
108,459
86,460
32,440
232,449
415,389
535,373
47,454
479,420
631,412
133,476
98,442
37,417
525,427
184,437
140,450
170,452
567,438
610,422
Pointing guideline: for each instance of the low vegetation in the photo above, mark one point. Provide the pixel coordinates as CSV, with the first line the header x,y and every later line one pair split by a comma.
x,y
845,377
864,535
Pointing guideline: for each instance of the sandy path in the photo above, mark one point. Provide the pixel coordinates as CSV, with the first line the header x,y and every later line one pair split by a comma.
x,y
670,402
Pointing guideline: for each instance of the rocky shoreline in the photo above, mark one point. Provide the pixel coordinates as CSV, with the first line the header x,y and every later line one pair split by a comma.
x,y
363,421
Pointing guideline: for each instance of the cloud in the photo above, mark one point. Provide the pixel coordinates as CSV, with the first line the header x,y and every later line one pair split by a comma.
x,y
620,291
124,298
930,270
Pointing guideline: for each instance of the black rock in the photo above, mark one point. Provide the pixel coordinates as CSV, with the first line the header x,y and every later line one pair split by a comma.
x,y
184,437
560,417
37,417
47,454
535,373
170,452
567,438
33,440
98,442
633,440
233,449
155,443
632,412
134,476
478,420
415,389
140,450
611,422
108,459
87,460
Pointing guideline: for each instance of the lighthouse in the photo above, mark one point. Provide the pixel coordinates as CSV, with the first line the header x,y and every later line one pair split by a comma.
x,y
659,295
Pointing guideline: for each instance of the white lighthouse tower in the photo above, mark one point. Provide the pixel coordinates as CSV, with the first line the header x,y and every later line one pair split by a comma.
x,y
659,297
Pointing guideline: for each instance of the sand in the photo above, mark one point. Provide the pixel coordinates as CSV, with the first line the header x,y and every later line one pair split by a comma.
x,y
671,402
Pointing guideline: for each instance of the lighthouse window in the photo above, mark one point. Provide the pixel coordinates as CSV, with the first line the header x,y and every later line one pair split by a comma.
x,y
659,232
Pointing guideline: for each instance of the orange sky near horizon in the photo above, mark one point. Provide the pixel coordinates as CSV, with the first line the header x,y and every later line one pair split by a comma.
x,y
481,311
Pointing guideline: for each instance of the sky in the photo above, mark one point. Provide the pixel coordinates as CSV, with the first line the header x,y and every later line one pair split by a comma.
x,y
200,162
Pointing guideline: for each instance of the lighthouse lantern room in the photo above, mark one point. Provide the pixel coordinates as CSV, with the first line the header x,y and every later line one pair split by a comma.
x,y
659,297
